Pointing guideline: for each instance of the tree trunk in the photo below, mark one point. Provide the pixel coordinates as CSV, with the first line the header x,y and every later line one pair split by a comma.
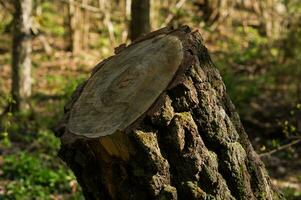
x,y
140,18
21,62
155,122
105,7
126,23
85,25
74,29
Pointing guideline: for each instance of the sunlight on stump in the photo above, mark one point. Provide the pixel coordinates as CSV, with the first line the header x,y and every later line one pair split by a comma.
x,y
125,87
154,122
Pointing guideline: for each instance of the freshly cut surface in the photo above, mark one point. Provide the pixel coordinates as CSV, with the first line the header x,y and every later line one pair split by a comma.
x,y
125,87
188,141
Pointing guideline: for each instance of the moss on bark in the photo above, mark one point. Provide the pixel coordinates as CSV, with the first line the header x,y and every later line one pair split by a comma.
x,y
189,145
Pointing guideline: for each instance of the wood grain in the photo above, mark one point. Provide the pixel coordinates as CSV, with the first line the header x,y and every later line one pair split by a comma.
x,y
125,87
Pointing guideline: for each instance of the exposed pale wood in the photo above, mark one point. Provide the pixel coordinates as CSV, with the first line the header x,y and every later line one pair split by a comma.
x,y
125,87
189,144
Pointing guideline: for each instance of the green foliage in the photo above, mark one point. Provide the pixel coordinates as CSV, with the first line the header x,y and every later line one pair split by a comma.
x,y
255,45
291,193
72,84
48,21
33,177
250,63
4,139
30,168
37,174
6,21
240,88
245,51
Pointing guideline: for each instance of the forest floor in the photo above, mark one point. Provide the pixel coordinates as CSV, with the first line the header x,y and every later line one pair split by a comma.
x,y
29,166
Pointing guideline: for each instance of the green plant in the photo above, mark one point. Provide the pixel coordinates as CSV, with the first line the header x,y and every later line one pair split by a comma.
x,y
35,176
72,84
49,21
291,193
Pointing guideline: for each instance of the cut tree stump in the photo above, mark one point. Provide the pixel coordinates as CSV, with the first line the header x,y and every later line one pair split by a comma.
x,y
154,122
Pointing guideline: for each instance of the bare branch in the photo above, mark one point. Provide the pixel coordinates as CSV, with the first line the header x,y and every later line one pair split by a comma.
x,y
280,148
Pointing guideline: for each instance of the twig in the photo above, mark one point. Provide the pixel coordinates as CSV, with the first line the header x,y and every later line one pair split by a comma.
x,y
280,148
41,37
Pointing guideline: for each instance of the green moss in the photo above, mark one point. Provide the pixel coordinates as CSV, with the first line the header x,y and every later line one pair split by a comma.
x,y
185,116
234,169
213,158
148,139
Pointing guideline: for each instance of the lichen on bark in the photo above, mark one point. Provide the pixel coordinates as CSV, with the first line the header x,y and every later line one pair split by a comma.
x,y
190,144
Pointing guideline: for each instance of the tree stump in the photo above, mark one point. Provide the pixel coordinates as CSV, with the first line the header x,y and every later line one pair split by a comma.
x,y
154,122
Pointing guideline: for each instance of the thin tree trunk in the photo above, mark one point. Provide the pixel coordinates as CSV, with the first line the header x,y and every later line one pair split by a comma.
x,y
105,8
74,27
140,18
21,62
155,14
85,26
127,17
155,122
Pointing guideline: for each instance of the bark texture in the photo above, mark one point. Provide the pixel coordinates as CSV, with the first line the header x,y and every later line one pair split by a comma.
x,y
21,62
189,144
140,18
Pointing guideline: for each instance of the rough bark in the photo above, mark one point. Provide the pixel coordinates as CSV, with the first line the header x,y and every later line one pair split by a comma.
x,y
188,144
21,62
140,18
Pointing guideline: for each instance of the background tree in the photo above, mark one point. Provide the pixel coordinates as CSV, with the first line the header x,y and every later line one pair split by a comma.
x,y
255,45
74,27
21,62
85,26
140,18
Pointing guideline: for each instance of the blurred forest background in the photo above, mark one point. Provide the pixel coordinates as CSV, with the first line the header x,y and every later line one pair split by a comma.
x,y
256,45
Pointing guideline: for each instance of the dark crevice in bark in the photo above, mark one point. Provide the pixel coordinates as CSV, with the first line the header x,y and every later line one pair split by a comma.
x,y
189,145
219,147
